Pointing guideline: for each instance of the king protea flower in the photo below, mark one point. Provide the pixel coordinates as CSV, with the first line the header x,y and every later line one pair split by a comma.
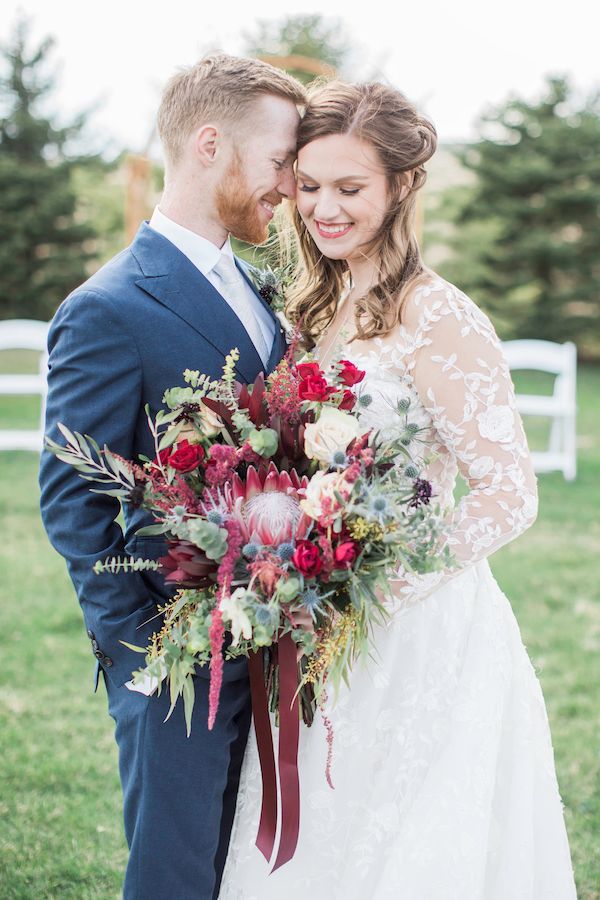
x,y
266,505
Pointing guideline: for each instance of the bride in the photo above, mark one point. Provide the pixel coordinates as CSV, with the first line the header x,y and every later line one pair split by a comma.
x,y
443,771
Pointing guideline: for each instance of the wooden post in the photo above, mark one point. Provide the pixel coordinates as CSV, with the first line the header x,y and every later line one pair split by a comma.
x,y
137,193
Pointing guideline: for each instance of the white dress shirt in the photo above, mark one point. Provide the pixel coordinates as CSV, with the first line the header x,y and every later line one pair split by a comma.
x,y
238,294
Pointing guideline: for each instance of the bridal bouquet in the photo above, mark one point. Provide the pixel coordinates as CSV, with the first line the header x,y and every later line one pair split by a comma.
x,y
274,500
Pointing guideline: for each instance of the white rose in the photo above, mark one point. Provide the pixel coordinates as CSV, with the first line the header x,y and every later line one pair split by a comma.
x,y
210,423
333,431
322,486
497,423
233,611
480,467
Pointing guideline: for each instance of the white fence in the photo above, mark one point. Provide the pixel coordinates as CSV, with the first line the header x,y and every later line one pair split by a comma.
x,y
24,334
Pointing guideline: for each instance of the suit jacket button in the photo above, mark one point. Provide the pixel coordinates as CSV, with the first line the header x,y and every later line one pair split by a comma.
x,y
99,654
107,661
90,634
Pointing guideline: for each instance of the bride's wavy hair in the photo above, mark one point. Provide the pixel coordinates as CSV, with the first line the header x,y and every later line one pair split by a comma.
x,y
403,140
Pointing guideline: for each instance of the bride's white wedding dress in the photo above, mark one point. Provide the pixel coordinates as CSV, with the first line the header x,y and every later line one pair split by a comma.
x,y
445,787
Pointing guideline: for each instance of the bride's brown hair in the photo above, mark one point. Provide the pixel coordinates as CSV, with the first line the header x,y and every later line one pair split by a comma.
x,y
403,141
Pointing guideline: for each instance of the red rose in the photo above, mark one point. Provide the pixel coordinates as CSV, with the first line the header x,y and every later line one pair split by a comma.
x,y
187,456
315,387
163,456
306,370
344,555
348,401
350,374
307,559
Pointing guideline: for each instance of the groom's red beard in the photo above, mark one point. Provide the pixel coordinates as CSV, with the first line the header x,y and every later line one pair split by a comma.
x,y
237,209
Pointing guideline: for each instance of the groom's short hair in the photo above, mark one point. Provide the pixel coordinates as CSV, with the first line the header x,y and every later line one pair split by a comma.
x,y
221,88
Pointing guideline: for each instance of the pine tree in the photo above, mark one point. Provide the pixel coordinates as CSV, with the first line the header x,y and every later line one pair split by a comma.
x,y
527,242
44,247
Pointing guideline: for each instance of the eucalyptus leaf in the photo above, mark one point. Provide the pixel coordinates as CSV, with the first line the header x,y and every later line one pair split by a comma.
x,y
110,460
170,436
83,444
67,434
133,647
67,458
94,445
176,609
113,492
148,530
189,696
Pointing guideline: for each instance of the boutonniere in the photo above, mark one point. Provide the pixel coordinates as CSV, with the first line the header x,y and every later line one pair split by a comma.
x,y
271,284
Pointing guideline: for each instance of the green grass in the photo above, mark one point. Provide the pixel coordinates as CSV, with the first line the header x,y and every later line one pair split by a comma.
x,y
60,805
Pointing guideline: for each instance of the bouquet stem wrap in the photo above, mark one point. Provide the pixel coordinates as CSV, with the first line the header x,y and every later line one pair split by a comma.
x,y
289,731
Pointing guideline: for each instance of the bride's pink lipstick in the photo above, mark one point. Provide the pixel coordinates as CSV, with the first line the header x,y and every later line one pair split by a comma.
x,y
336,234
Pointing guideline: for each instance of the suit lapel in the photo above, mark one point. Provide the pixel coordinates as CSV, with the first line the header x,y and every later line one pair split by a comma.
x,y
279,343
171,279
278,349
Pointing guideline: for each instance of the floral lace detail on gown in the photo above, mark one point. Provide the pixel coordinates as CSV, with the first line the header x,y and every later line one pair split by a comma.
x,y
448,359
445,787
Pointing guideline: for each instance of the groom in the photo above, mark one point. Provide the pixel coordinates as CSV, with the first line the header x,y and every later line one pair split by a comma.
x,y
177,298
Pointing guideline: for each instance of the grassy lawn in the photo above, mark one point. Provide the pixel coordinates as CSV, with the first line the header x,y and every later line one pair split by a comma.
x,y
60,807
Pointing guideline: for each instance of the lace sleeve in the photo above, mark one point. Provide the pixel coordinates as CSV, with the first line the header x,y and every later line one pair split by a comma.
x,y
463,381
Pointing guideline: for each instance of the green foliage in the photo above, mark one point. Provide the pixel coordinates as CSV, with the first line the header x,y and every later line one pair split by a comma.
x,y
206,535
264,441
100,191
527,237
44,244
117,564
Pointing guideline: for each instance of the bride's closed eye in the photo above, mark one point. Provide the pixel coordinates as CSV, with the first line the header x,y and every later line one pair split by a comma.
x,y
310,189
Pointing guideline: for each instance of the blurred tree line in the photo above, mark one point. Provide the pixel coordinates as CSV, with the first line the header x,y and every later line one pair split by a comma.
x,y
49,232
526,237
522,235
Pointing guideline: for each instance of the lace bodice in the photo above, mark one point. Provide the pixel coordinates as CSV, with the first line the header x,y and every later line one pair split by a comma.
x,y
446,359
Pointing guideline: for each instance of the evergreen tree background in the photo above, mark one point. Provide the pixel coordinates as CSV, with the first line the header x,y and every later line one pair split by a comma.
x,y
526,241
45,243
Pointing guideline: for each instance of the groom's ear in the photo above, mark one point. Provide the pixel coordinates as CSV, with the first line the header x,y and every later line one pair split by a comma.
x,y
207,144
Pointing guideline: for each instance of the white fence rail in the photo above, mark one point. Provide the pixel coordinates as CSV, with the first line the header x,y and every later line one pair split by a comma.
x,y
24,334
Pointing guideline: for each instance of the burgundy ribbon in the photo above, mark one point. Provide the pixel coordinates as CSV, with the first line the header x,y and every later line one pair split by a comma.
x,y
264,739
289,733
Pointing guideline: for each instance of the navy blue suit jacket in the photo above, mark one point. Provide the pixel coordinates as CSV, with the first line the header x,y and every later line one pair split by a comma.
x,y
116,344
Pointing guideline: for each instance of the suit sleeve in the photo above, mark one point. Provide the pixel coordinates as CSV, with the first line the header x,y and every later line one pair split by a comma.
x,y
94,387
